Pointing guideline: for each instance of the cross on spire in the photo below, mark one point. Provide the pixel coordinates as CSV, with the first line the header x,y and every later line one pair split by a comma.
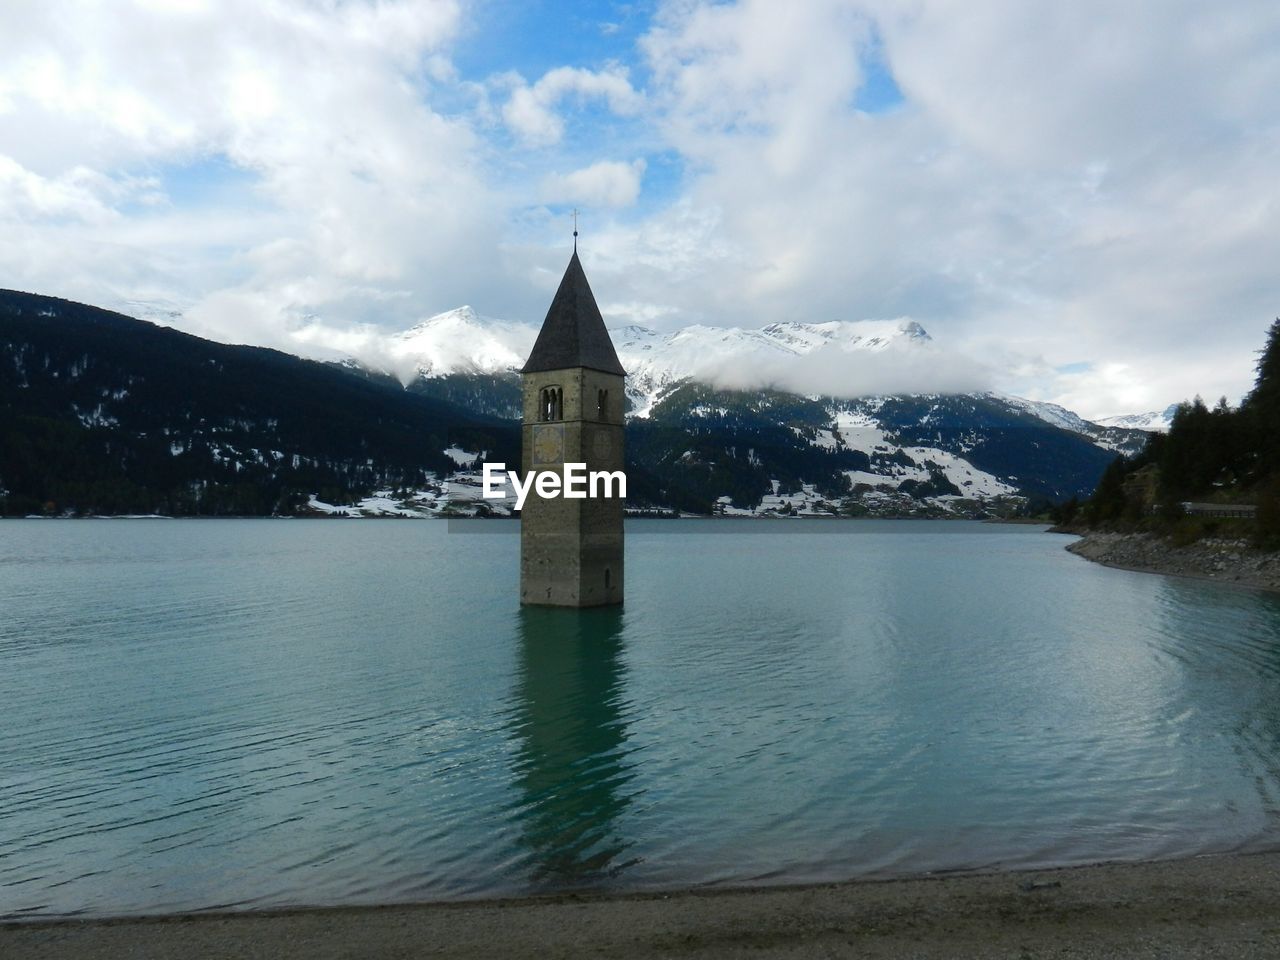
x,y
575,229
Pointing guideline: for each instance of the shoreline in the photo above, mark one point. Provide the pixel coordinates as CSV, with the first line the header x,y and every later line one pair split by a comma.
x,y
825,517
1232,562
1211,906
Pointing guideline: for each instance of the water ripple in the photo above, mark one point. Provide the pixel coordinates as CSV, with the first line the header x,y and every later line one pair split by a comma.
x,y
250,714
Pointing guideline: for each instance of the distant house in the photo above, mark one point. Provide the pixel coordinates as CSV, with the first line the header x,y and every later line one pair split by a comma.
x,y
1244,511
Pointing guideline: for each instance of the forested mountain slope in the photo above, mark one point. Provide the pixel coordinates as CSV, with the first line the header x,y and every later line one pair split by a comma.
x,y
103,413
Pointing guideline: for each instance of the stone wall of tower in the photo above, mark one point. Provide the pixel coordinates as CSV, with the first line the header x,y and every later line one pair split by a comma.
x,y
571,551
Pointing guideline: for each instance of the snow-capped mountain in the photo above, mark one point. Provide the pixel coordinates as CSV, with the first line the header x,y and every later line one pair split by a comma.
x,y
730,412
1050,413
735,403
461,341
165,313
108,414
1108,434
1154,421
655,362
888,455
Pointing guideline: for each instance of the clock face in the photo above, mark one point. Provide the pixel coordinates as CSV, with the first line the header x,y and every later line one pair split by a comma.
x,y
548,442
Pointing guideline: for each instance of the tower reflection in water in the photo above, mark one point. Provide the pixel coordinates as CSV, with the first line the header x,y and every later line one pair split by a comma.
x,y
569,724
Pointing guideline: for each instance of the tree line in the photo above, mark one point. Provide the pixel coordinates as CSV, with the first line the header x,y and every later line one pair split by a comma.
x,y
105,414
1225,454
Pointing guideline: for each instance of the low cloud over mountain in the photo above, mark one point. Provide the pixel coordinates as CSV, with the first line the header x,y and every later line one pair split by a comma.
x,y
835,358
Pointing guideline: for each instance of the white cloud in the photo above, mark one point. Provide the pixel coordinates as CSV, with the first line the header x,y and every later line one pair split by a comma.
x,y
838,372
531,114
609,183
351,180
1064,184
1058,85
1073,181
747,75
79,194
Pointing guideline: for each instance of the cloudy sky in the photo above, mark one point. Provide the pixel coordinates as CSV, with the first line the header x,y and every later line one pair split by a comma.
x,y
1084,196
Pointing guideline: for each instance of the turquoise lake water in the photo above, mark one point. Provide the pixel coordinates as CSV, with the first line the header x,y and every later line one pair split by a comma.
x,y
239,713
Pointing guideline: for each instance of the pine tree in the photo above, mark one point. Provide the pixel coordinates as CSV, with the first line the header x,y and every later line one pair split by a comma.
x,y
1266,390
1186,462
1261,409
1108,502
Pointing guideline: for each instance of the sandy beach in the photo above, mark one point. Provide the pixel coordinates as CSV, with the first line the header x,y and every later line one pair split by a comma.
x,y
1226,906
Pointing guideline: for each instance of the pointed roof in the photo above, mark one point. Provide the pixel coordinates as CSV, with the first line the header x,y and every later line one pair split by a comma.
x,y
573,334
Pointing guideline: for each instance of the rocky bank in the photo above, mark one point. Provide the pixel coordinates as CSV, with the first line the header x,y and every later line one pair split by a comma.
x,y
1226,561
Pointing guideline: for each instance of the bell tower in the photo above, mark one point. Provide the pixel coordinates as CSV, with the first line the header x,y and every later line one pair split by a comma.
x,y
571,550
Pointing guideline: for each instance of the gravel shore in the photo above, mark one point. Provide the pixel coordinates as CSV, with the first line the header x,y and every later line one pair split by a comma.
x,y
1206,907
1226,561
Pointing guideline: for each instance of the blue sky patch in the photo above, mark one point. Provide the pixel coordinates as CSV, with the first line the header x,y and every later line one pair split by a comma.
x,y
879,92
211,180
535,36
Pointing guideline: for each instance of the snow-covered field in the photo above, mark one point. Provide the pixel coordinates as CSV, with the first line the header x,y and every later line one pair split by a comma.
x,y
460,495
860,431
1155,421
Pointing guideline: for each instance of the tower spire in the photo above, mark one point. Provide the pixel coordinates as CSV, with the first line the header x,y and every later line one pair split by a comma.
x,y
573,391
573,333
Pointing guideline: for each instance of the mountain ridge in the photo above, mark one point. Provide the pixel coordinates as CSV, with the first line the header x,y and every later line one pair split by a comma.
x,y
463,341
105,413
692,446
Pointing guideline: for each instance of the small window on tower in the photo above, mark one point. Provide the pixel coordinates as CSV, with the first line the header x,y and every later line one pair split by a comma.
x,y
551,404
602,404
